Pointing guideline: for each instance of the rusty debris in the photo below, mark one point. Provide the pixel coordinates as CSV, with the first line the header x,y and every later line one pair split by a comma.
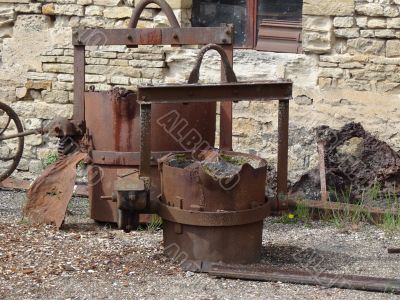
x,y
355,162
48,197
394,250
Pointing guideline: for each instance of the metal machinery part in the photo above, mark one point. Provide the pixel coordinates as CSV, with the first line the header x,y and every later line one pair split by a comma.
x,y
10,130
202,220
213,219
110,120
12,137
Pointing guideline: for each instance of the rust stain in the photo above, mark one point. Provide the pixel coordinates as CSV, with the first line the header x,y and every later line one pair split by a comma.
x,y
50,193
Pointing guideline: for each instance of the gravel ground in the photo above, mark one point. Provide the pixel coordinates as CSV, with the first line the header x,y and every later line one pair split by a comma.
x,y
85,260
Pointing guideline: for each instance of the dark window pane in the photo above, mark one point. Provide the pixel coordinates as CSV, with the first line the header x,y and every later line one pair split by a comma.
x,y
288,10
213,13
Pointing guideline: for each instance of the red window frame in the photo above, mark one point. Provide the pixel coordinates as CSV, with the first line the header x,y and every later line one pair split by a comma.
x,y
251,31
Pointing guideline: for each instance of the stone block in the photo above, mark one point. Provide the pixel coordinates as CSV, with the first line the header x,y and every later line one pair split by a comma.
x,y
392,48
30,23
147,63
376,23
94,10
393,23
122,12
84,2
65,77
38,85
58,68
107,2
317,23
347,32
95,78
391,11
345,22
97,61
385,33
366,46
48,9
55,96
362,21
68,9
317,42
120,80
30,8
328,8
331,72
369,9
367,33
173,3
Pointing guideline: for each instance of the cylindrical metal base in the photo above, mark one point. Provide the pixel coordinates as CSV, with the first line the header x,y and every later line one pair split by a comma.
x,y
192,246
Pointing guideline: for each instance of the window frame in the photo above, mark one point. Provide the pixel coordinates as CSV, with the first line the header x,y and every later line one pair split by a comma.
x,y
251,26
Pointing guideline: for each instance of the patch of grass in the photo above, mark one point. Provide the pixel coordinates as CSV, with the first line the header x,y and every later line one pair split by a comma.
x,y
50,158
351,216
390,220
154,225
301,214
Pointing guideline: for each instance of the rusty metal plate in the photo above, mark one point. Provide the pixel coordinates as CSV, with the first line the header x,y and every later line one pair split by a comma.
x,y
153,36
188,93
49,196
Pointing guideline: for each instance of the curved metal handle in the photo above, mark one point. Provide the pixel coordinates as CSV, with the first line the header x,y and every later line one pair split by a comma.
x,y
164,7
229,74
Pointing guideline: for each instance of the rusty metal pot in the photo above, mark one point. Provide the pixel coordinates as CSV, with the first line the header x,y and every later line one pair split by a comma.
x,y
212,218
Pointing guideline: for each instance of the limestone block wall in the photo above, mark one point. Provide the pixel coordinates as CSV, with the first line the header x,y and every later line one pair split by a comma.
x,y
358,41
348,72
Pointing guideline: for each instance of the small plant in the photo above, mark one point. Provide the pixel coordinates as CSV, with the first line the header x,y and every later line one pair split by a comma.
x,y
302,213
50,158
391,220
154,225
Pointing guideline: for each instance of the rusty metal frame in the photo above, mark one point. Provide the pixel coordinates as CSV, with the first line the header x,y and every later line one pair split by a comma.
x,y
249,91
132,37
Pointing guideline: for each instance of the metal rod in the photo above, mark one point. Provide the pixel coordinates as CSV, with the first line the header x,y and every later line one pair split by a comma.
x,y
322,172
225,136
283,142
79,85
24,133
364,283
145,140
394,250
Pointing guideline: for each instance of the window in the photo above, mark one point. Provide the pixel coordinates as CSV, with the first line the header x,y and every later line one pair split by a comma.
x,y
269,25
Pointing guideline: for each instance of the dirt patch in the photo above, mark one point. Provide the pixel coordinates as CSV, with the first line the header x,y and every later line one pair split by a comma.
x,y
356,162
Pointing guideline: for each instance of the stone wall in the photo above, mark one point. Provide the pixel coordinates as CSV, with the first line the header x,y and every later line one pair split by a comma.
x,y
348,72
358,42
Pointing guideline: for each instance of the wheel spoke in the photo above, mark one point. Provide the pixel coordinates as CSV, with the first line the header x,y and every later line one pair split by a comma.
x,y
7,158
5,127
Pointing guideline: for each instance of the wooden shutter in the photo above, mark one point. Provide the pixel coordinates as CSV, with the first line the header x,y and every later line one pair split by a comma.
x,y
279,36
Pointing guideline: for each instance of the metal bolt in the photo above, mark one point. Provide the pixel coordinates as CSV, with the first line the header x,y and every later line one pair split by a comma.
x,y
224,41
175,36
130,37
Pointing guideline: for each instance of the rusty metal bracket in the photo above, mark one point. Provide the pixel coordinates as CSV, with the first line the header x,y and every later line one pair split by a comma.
x,y
147,36
204,218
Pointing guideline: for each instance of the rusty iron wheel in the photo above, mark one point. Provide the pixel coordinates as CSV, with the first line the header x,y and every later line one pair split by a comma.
x,y
9,152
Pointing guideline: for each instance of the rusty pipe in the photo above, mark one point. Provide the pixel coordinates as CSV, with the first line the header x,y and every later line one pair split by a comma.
x,y
164,7
229,73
